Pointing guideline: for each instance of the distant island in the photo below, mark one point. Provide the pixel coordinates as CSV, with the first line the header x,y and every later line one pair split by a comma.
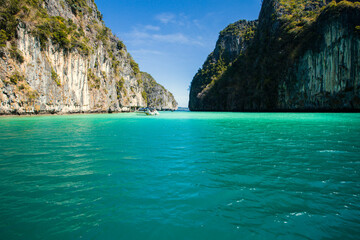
x,y
299,56
183,109
59,57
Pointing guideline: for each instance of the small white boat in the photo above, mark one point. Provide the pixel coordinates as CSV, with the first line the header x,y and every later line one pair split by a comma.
x,y
148,111
151,112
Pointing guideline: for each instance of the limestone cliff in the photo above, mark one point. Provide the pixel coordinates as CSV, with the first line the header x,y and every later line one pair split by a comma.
x,y
233,41
303,56
156,95
57,56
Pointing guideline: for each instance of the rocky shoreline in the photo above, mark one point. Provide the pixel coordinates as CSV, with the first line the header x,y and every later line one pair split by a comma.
x,y
49,113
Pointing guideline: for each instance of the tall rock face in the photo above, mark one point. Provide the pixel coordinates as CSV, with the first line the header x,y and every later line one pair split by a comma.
x,y
156,95
57,56
232,42
303,56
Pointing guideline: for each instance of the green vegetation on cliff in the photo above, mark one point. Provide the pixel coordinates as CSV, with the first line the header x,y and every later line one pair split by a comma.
x,y
210,72
55,77
134,66
299,17
217,63
67,34
287,30
240,29
63,50
10,13
16,54
16,77
156,95
62,32
94,81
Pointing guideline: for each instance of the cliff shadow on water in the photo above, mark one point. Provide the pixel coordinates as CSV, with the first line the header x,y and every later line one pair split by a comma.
x,y
299,56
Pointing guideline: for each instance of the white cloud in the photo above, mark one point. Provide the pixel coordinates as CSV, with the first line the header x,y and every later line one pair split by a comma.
x,y
172,38
197,23
137,37
142,52
166,17
152,28
180,19
181,30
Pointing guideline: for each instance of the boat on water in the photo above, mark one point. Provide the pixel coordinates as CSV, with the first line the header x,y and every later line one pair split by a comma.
x,y
148,111
152,112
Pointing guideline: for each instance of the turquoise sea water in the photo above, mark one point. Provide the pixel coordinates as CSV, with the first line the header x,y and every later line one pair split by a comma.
x,y
180,175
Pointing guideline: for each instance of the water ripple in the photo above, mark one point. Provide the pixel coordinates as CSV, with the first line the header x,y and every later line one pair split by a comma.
x,y
180,176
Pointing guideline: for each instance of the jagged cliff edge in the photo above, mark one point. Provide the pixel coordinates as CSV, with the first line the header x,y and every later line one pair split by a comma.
x,y
58,57
300,56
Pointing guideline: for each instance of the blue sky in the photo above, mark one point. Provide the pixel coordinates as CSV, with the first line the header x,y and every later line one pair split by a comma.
x,y
170,39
